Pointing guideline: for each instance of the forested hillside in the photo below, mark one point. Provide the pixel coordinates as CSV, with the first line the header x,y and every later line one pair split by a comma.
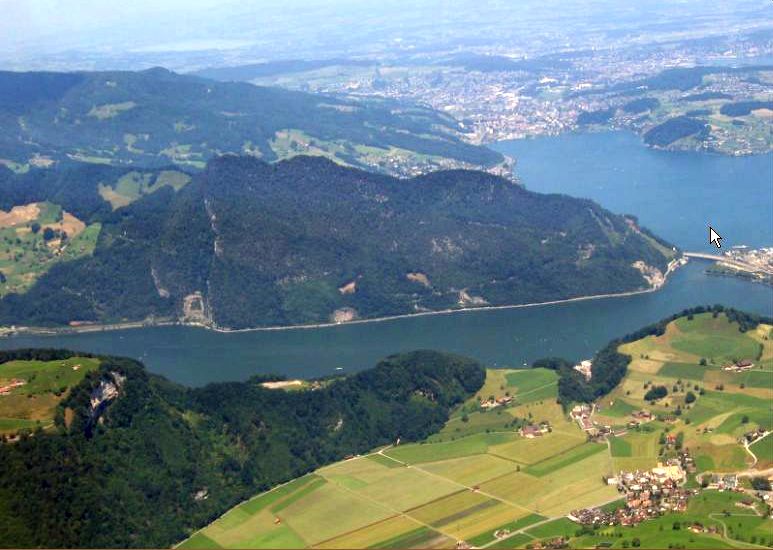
x,y
147,467
156,117
246,243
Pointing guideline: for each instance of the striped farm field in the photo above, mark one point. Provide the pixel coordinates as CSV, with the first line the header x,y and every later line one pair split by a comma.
x,y
567,458
429,452
530,451
467,514
516,487
252,524
471,470
313,515
574,485
445,510
423,537
392,529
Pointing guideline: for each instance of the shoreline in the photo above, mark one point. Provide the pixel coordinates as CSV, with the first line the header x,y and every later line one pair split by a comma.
x,y
609,129
109,327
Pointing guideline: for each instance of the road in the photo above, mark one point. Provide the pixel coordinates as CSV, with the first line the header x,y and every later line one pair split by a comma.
x,y
725,260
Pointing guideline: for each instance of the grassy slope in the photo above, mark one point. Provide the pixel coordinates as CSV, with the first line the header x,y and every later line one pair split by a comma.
x,y
25,255
34,404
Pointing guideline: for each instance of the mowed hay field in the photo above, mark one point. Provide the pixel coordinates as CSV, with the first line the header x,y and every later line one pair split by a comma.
x,y
464,485
46,383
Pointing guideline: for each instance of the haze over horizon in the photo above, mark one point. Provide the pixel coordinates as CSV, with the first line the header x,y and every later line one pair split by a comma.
x,y
54,34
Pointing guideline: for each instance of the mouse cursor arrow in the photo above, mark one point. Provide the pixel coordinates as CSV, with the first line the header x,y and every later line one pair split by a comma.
x,y
714,238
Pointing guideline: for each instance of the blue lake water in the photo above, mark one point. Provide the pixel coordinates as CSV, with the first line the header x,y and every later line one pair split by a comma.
x,y
674,194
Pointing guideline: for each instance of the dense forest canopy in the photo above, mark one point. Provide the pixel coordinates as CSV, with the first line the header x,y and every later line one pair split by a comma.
x,y
154,117
595,117
305,240
127,474
674,129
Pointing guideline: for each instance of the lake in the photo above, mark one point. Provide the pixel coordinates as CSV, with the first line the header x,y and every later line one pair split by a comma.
x,y
674,194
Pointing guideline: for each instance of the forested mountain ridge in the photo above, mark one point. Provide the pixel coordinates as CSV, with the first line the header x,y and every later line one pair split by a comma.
x,y
155,461
247,244
156,117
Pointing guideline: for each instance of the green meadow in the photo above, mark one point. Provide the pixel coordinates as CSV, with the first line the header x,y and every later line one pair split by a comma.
x,y
46,383
37,236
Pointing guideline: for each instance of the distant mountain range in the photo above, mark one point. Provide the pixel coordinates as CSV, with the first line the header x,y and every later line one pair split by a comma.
x,y
245,243
156,117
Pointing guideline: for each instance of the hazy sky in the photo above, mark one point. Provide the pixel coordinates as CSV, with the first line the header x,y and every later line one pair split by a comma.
x,y
63,23
32,29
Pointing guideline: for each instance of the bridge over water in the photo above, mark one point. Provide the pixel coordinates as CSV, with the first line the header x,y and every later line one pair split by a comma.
x,y
726,260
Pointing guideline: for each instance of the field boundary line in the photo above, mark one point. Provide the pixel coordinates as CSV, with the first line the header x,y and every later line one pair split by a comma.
x,y
433,501
500,476
507,458
316,545
478,491
390,509
517,395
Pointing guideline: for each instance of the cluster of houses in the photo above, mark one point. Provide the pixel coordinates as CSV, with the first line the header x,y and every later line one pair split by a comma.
x,y
739,366
647,495
727,482
582,414
640,417
685,460
15,383
698,527
753,436
494,402
535,430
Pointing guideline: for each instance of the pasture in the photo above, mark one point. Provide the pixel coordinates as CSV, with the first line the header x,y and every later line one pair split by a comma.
x,y
530,451
45,384
763,450
723,406
714,338
133,185
37,236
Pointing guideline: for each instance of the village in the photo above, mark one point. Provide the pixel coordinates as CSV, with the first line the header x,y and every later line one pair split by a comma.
x,y
648,494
